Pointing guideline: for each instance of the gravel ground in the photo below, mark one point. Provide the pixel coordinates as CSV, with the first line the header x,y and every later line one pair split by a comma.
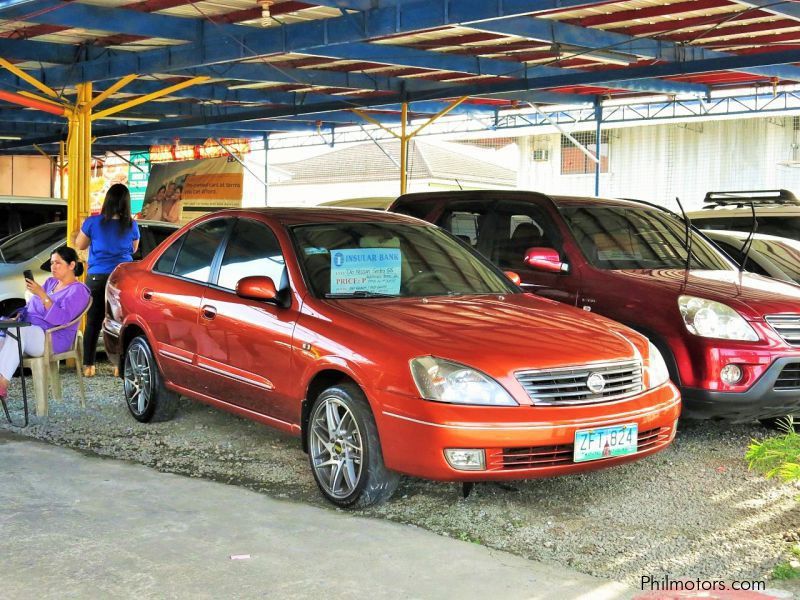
x,y
691,511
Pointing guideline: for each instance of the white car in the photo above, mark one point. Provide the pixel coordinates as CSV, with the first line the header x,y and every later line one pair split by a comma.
x,y
769,255
777,212
32,249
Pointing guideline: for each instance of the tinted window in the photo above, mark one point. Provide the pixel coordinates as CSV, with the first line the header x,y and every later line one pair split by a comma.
x,y
166,261
28,244
359,260
252,250
513,228
197,253
626,237
780,226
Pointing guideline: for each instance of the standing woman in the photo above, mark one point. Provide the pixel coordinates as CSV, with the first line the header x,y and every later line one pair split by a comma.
x,y
112,238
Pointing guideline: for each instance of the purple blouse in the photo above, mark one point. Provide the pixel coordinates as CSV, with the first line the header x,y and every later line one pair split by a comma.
x,y
67,304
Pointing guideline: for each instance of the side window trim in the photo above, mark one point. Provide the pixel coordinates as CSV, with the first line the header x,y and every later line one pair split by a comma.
x,y
216,262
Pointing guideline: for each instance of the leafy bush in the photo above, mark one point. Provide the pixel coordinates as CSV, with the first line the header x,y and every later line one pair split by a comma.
x,y
777,456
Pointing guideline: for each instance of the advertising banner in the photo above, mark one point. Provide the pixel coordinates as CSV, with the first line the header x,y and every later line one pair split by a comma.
x,y
138,173
181,191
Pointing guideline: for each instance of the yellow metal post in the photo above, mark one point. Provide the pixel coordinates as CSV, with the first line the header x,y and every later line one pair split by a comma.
x,y
79,142
403,148
61,169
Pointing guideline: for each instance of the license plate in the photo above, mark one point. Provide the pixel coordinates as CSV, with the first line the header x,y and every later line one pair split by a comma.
x,y
606,442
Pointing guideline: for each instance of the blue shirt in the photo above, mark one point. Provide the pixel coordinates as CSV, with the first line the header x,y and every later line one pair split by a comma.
x,y
109,245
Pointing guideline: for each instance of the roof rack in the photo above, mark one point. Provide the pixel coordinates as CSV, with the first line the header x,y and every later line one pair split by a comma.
x,y
746,197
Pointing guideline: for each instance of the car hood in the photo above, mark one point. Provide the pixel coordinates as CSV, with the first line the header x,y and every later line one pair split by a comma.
x,y
496,334
753,296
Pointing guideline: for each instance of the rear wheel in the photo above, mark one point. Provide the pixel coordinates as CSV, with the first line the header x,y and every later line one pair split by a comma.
x,y
344,450
147,398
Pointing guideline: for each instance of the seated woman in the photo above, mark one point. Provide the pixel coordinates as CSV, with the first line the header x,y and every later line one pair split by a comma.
x,y
60,300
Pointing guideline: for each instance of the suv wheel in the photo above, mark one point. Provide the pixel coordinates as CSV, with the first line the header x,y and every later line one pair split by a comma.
x,y
147,398
344,450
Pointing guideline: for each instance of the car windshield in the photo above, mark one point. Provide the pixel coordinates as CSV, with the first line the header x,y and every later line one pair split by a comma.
x,y
28,244
376,259
626,237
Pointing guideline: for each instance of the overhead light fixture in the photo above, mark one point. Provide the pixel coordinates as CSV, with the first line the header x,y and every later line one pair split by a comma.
x,y
127,118
10,137
613,58
266,16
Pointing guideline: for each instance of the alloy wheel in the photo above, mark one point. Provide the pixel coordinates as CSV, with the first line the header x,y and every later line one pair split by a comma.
x,y
336,447
138,380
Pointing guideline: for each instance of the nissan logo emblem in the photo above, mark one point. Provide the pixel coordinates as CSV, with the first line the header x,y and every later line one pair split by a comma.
x,y
596,383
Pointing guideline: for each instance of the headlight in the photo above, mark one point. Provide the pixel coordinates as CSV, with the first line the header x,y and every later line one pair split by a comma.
x,y
446,381
707,318
656,367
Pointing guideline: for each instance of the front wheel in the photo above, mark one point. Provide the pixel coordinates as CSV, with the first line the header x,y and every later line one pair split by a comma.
x,y
344,450
147,398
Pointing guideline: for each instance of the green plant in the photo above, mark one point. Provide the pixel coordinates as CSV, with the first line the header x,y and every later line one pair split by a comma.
x,y
785,571
777,456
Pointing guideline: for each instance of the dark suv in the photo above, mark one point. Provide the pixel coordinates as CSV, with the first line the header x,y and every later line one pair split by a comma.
x,y
731,339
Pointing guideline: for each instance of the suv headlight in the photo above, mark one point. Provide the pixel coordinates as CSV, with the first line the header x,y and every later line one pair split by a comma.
x,y
447,381
707,318
658,374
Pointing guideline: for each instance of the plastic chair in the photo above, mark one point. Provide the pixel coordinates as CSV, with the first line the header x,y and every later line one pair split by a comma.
x,y
44,368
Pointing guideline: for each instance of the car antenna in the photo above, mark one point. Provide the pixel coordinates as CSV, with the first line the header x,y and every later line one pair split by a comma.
x,y
460,187
749,241
688,241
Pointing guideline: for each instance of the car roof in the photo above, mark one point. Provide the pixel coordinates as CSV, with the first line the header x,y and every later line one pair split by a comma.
x,y
729,211
743,235
559,200
316,215
32,200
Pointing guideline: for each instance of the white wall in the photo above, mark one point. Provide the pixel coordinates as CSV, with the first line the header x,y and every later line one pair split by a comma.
x,y
659,162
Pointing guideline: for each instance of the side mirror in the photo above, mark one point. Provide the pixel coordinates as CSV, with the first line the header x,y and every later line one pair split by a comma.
x,y
514,277
46,265
257,287
544,259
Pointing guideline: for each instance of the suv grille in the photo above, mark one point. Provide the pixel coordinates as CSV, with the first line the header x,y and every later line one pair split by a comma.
x,y
550,456
789,379
788,327
572,385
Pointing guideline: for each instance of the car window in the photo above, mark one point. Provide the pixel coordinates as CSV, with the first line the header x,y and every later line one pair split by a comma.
x,y
785,256
166,262
780,226
626,237
198,250
366,259
252,249
515,227
28,244
152,236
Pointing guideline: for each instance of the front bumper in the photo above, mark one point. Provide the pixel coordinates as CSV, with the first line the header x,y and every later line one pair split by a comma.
x,y
761,400
529,442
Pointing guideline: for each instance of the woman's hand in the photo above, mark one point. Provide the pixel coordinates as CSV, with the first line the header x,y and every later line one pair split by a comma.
x,y
35,288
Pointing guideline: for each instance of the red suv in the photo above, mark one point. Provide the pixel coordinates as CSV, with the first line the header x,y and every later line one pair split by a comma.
x,y
387,345
731,339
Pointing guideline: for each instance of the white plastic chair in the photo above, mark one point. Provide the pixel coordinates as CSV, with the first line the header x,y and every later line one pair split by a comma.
x,y
44,368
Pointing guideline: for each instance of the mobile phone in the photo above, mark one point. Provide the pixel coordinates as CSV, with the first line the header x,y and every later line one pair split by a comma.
x,y
27,274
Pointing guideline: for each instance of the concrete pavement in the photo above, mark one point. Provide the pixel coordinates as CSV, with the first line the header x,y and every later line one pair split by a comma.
x,y
76,526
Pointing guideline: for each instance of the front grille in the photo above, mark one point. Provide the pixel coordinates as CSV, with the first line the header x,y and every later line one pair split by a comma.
x,y
568,386
786,326
789,379
550,456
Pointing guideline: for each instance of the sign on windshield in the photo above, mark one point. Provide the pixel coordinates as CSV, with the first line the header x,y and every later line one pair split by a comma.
x,y
373,270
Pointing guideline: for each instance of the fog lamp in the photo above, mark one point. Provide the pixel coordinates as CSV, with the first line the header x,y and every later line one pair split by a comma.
x,y
731,374
465,459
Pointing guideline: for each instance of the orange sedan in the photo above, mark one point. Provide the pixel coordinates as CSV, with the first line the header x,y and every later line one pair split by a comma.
x,y
388,346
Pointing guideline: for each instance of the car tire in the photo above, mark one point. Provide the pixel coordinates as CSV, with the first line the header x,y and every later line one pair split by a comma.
x,y
780,423
147,398
344,450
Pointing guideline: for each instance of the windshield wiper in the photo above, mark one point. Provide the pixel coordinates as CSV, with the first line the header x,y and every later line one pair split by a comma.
x,y
688,241
360,294
3,258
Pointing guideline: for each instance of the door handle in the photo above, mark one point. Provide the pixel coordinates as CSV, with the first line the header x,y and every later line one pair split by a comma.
x,y
147,294
208,312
